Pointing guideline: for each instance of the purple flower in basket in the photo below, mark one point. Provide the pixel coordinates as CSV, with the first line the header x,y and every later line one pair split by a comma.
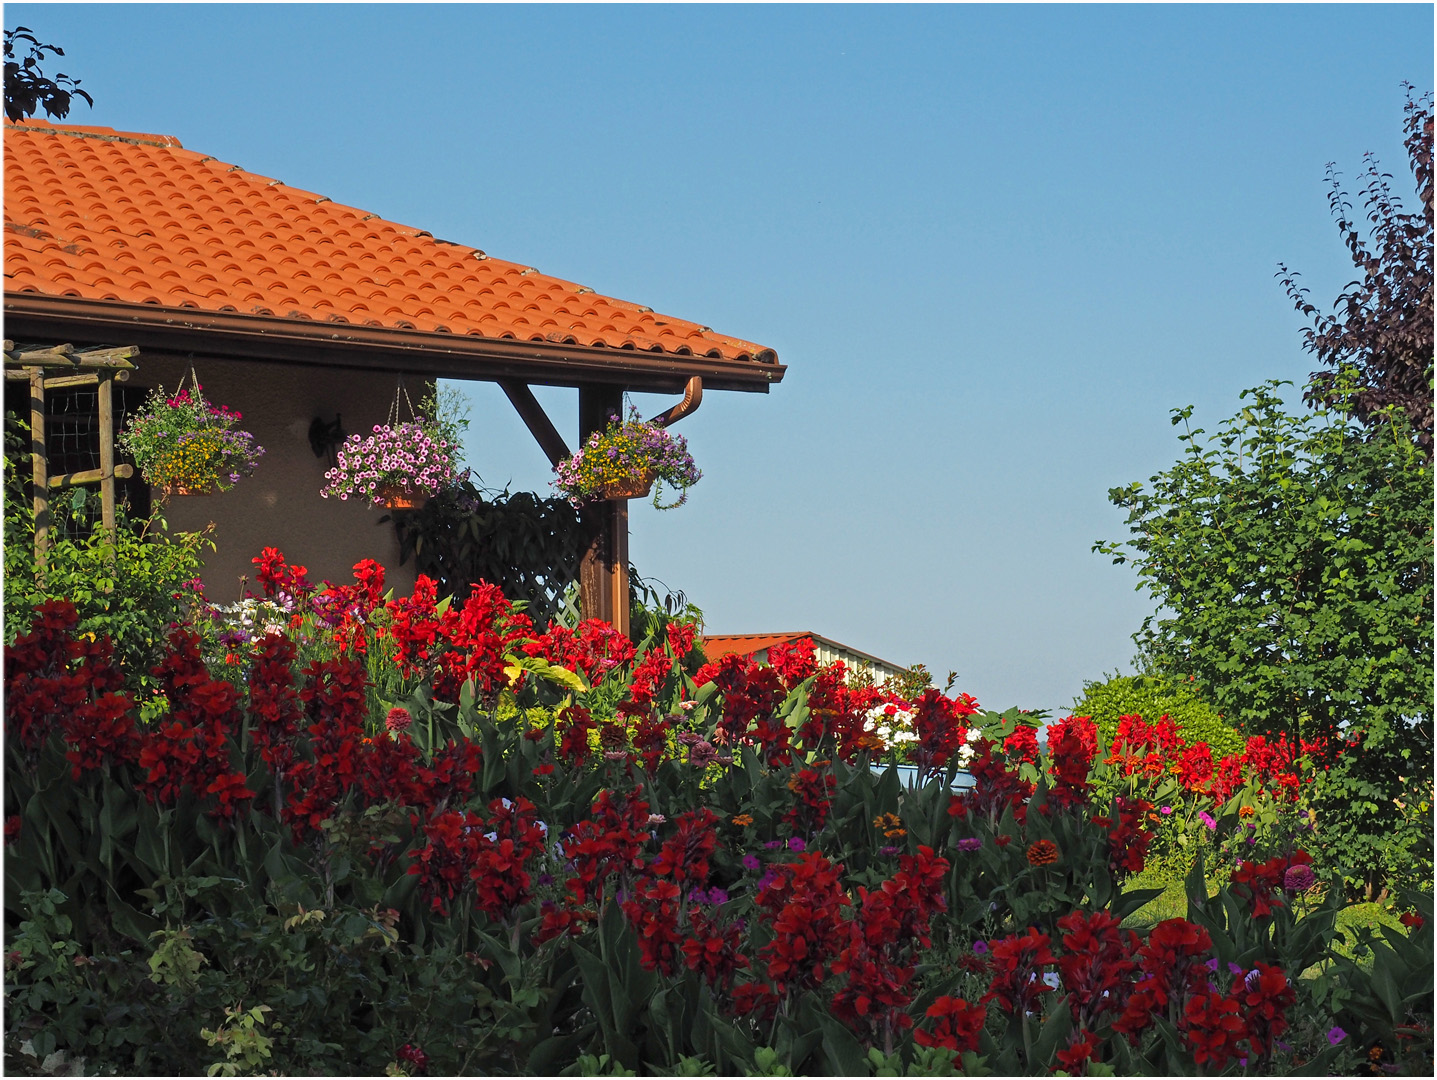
x,y
628,454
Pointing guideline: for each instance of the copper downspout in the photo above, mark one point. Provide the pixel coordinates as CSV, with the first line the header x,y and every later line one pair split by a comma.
x,y
693,398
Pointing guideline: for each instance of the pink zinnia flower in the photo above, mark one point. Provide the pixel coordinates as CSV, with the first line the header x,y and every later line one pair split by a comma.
x,y
398,719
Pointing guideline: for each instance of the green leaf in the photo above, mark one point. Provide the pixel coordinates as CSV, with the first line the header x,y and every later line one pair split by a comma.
x,y
845,1053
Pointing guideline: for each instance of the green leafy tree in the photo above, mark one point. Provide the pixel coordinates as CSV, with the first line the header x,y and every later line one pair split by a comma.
x,y
1292,559
26,86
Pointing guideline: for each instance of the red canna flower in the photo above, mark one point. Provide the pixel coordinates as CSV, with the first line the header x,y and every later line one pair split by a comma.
x,y
1018,963
653,913
1265,996
685,856
712,949
680,637
1096,964
957,1024
810,809
1082,1045
1213,1028
805,899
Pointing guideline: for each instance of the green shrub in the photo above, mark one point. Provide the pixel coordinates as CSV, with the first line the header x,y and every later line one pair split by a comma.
x,y
1151,697
131,586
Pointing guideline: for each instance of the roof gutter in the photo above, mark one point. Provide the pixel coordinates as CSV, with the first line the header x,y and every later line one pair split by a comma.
x,y
273,339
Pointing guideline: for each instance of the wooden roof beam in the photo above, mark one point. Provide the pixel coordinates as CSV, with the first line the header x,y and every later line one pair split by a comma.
x,y
105,356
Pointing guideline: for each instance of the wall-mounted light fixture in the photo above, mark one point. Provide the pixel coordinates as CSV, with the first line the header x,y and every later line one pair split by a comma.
x,y
326,439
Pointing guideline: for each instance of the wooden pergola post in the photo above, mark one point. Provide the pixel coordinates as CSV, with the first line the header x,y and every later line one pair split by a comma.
x,y
604,571
99,368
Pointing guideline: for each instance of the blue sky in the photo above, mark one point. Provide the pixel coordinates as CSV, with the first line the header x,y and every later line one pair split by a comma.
x,y
995,246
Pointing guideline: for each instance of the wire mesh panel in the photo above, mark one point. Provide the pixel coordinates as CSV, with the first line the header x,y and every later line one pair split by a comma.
x,y
72,445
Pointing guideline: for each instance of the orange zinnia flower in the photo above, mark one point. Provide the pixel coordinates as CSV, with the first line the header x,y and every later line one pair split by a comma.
x,y
890,825
1042,853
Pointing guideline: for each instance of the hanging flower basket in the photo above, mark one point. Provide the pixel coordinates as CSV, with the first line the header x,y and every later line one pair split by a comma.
x,y
625,461
396,498
396,465
634,487
184,445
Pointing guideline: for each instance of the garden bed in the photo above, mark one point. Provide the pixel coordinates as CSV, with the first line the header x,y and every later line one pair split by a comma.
x,y
368,834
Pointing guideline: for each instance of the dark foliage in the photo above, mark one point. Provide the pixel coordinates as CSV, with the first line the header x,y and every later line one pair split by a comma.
x,y
27,88
528,546
1380,333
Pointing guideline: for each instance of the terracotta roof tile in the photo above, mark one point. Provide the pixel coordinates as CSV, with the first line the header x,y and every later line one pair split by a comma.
x,y
104,214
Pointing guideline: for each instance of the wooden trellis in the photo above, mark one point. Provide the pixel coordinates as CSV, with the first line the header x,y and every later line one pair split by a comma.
x,y
100,367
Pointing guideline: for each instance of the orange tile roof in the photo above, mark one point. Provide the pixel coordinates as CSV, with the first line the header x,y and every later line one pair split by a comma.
x,y
717,646
102,215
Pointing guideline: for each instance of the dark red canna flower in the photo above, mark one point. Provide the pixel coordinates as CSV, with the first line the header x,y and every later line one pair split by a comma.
x,y
1082,1045
1018,962
711,948
805,900
813,791
1072,746
1265,995
684,857
653,912
1097,964
1213,1028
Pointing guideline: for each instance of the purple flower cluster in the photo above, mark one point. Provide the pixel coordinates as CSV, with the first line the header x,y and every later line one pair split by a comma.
x,y
410,457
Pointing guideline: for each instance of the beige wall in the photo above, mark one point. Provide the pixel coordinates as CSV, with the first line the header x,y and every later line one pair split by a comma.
x,y
280,505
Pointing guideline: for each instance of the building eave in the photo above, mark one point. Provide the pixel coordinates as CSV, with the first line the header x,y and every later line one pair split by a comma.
x,y
275,339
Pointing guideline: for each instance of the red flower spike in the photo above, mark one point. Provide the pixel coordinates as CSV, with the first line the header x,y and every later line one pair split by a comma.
x,y
957,1025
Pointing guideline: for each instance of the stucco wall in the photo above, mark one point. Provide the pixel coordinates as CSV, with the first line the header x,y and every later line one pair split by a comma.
x,y
280,505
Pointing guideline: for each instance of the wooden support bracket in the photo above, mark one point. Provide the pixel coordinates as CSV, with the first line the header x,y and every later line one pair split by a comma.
x,y
536,419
